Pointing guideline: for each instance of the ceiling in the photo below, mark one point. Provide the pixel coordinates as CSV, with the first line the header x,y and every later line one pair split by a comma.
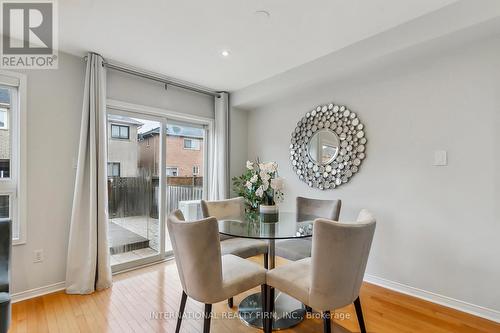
x,y
440,32
184,39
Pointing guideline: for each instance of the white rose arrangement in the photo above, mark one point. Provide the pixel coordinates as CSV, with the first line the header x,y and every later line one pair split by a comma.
x,y
260,184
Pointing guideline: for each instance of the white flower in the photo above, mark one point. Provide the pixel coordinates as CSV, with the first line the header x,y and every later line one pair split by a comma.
x,y
254,178
249,165
277,184
259,192
264,176
265,185
267,167
249,185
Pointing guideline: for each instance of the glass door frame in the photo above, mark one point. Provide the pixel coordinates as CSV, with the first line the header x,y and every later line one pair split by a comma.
x,y
162,116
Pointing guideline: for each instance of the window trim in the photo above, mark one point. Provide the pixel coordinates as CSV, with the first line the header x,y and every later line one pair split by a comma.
x,y
120,137
19,151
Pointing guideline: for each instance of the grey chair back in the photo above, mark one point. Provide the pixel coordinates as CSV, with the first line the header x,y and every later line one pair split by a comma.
x,y
339,256
224,209
233,209
310,209
197,253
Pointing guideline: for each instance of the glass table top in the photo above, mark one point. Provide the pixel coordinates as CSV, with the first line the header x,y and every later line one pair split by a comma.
x,y
251,227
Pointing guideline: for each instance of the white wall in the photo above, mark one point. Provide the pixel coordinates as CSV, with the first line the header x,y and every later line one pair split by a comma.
x,y
53,116
438,227
131,89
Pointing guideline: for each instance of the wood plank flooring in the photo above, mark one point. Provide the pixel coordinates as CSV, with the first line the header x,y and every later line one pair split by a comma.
x,y
146,300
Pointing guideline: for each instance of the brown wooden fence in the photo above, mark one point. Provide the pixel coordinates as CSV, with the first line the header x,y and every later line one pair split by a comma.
x,y
137,196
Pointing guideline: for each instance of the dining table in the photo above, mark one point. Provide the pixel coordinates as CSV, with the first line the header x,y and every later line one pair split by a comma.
x,y
288,311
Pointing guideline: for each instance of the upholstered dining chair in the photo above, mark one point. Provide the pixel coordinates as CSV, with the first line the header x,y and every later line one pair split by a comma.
x,y
332,277
307,209
205,274
241,247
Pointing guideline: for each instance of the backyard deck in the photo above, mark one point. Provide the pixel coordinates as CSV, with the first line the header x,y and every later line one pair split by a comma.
x,y
134,237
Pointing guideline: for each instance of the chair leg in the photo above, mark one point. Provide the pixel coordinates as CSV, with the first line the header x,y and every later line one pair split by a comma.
x,y
327,324
230,302
208,316
270,309
264,303
359,314
181,311
266,261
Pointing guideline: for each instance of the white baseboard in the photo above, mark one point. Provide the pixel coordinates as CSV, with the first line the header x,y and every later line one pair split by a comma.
x,y
473,309
51,288
40,291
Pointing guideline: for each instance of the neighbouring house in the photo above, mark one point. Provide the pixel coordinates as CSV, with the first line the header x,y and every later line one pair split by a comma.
x,y
185,146
123,149
4,133
5,150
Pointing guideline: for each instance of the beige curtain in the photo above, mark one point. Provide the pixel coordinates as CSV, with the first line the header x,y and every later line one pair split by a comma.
x,y
88,267
219,168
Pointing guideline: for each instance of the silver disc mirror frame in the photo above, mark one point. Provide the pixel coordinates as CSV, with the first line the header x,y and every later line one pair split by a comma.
x,y
329,166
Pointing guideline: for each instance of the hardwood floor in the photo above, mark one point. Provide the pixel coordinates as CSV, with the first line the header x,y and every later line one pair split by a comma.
x,y
137,296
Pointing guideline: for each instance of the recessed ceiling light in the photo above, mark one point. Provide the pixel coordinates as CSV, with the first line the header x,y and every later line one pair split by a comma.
x,y
225,53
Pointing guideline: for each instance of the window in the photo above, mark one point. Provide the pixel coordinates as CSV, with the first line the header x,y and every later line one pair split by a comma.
x,y
196,170
193,144
172,171
5,135
113,169
7,184
120,132
12,150
4,117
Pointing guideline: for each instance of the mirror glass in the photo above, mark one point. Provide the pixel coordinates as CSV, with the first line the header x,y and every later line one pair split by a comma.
x,y
323,146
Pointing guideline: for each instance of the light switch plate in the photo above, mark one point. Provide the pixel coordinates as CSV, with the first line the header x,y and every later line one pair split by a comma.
x,y
38,255
440,158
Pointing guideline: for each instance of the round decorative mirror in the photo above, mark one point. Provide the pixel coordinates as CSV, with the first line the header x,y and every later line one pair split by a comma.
x,y
328,146
323,146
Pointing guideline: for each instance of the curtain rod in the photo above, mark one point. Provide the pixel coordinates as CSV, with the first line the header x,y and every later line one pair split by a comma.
x,y
158,78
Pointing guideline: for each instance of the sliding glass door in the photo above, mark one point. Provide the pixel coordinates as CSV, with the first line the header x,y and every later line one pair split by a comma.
x,y
134,161
185,171
155,165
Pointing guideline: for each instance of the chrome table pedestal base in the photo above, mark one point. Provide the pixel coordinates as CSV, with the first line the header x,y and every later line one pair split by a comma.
x,y
288,311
